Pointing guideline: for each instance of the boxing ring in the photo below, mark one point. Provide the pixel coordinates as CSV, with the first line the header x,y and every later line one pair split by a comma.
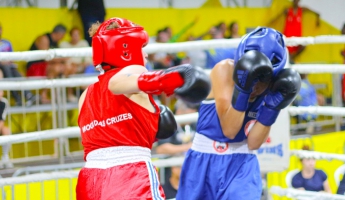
x,y
9,185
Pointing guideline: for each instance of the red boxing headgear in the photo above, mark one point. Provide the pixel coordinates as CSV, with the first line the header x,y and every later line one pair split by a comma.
x,y
119,47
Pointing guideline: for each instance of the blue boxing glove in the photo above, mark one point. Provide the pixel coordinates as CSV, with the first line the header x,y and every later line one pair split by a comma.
x,y
283,91
253,66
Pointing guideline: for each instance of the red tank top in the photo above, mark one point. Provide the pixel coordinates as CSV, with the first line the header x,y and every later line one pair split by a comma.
x,y
108,120
293,26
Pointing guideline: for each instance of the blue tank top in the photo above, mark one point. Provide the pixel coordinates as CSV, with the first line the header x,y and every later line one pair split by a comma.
x,y
209,125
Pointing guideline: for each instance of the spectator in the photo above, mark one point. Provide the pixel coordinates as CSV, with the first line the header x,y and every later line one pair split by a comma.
x,y
175,37
233,30
9,70
76,65
306,97
209,58
210,32
341,187
163,60
309,178
221,27
45,42
213,56
4,130
293,25
90,12
42,68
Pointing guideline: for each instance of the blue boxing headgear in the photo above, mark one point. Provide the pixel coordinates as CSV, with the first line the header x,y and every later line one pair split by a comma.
x,y
267,41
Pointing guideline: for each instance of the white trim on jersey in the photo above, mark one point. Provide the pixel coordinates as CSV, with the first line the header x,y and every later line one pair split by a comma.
x,y
209,101
113,156
204,144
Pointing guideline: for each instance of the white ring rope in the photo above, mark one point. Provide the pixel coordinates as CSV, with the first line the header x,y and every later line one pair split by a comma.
x,y
305,195
165,47
323,39
40,135
87,80
317,155
39,177
45,54
319,68
47,83
319,110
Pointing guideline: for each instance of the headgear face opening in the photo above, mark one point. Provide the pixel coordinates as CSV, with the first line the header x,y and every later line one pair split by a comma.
x,y
120,46
268,41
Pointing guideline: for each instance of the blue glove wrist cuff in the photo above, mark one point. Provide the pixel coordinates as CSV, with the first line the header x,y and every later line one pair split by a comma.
x,y
240,99
267,116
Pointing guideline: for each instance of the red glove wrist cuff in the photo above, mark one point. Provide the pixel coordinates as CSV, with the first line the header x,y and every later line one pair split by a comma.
x,y
158,82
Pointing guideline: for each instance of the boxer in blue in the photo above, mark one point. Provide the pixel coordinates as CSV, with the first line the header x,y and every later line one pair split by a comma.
x,y
246,97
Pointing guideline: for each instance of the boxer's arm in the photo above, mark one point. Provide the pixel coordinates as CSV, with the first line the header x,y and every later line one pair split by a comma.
x,y
134,79
257,136
222,88
187,82
126,80
285,87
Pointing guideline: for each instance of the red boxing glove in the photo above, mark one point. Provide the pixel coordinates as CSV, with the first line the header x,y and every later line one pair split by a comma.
x,y
161,81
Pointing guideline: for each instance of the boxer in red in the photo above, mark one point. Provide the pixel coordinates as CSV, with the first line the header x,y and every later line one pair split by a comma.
x,y
118,118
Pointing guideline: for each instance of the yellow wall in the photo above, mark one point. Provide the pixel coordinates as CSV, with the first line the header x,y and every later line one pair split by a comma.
x,y
42,190
328,143
23,25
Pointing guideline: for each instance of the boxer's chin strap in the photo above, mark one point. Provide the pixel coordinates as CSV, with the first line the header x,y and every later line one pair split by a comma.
x,y
104,67
100,69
